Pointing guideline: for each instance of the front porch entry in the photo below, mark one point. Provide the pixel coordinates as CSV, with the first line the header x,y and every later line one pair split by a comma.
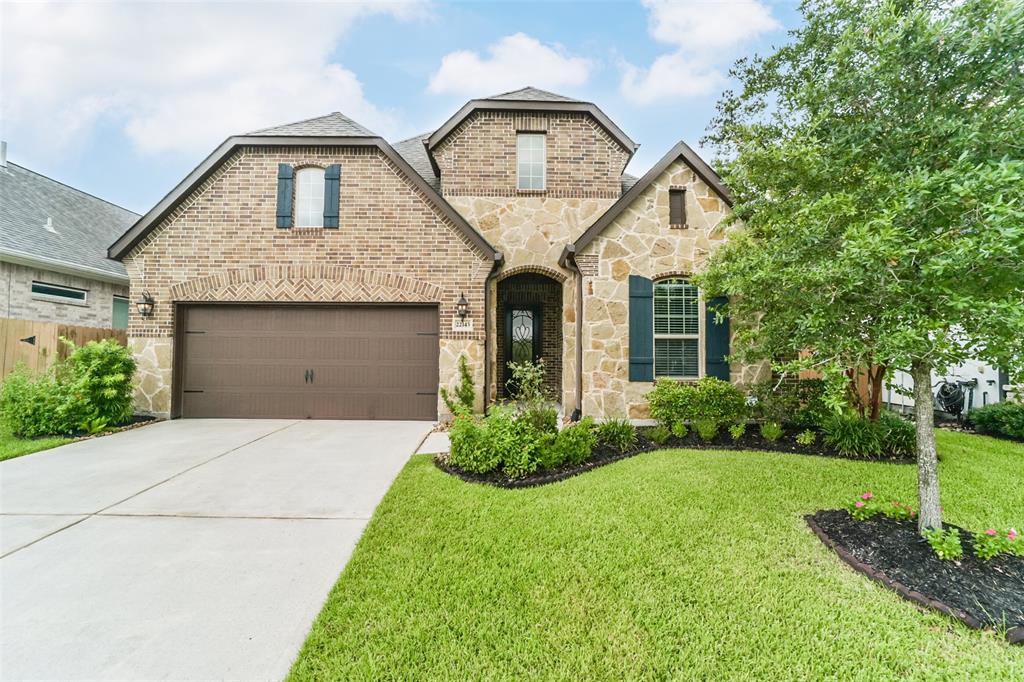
x,y
529,328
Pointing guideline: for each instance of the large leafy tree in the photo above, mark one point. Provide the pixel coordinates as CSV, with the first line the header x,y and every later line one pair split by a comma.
x,y
877,161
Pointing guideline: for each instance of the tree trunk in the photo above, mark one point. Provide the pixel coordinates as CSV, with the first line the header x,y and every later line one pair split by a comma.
x,y
875,381
929,515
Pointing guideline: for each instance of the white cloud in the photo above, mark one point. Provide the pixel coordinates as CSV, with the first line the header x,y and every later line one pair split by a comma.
x,y
513,62
696,25
703,33
178,76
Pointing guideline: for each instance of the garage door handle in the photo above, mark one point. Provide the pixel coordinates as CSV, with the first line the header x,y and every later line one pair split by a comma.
x,y
312,376
307,376
426,392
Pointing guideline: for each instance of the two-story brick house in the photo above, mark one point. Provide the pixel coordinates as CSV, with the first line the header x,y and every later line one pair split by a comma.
x,y
314,270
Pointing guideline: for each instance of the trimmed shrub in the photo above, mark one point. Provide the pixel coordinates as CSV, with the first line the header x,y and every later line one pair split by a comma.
x,y
800,402
738,430
470,446
709,398
854,436
543,418
574,444
998,419
679,429
617,433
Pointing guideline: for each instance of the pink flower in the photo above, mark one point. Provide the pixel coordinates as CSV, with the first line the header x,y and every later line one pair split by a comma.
x,y
1011,534
859,505
990,531
866,496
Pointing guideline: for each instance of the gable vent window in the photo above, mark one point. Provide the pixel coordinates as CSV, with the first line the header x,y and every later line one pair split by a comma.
x,y
676,329
530,155
677,207
309,197
59,293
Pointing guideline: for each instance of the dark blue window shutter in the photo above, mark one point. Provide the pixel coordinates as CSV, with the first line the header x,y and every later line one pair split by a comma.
x,y
716,341
285,191
641,329
332,189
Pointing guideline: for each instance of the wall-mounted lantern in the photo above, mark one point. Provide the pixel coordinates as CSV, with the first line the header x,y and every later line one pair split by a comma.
x,y
146,305
462,307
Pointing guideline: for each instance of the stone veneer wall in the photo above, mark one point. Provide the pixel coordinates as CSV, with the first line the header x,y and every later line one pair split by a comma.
x,y
641,242
221,243
18,302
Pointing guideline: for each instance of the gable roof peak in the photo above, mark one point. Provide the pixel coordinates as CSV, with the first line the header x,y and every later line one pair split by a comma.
x,y
532,94
334,124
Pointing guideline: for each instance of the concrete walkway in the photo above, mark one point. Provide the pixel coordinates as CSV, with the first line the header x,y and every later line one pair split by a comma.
x,y
186,550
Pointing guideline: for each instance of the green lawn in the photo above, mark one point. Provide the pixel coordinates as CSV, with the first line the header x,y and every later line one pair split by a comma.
x,y
11,447
671,565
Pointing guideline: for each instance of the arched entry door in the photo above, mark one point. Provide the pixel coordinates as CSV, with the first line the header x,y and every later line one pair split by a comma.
x,y
529,329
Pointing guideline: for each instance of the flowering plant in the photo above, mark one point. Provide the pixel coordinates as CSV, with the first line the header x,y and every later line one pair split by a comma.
x,y
946,543
865,507
899,511
993,542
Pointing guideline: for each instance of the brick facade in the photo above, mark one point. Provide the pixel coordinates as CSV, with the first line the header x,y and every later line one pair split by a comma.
x,y
221,243
18,302
478,158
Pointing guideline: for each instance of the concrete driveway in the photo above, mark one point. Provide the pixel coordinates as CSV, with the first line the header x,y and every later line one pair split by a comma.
x,y
185,550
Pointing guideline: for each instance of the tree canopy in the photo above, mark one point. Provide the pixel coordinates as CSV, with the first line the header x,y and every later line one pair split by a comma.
x,y
877,165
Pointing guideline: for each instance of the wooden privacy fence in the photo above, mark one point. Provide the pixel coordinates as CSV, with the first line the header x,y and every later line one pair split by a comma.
x,y
37,344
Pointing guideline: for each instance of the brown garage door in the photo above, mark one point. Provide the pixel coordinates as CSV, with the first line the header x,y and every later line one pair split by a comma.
x,y
320,362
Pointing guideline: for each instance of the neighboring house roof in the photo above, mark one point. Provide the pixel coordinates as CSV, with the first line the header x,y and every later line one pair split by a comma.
x,y
533,100
681,150
338,130
413,151
627,181
48,225
333,124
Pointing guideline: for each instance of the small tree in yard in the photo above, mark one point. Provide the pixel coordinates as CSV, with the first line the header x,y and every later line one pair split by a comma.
x,y
876,162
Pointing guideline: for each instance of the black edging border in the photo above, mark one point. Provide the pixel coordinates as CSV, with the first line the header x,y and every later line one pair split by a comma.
x,y
1014,635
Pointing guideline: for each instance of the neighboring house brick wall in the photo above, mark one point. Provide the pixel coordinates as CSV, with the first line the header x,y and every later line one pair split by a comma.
x,y
583,179
640,242
221,243
18,301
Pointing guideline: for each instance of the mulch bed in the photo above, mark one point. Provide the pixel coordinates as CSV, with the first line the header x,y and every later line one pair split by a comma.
x,y
135,422
604,454
977,592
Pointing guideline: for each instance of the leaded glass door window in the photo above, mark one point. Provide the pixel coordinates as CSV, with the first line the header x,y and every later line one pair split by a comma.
x,y
522,336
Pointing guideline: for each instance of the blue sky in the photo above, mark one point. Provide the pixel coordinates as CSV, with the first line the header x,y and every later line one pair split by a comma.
x,y
119,100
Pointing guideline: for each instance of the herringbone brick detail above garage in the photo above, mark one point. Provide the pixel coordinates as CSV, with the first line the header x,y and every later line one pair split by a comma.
x,y
312,291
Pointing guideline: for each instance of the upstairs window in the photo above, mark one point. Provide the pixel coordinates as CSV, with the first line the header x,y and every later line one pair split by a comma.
x,y
677,207
676,329
309,197
530,155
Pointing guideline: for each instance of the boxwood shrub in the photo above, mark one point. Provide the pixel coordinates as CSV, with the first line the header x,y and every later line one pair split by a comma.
x,y
708,400
998,419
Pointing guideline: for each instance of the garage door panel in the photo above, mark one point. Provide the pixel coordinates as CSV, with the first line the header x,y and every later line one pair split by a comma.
x,y
366,362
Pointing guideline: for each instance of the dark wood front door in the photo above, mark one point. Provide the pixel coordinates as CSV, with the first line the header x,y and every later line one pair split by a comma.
x,y
523,330
319,362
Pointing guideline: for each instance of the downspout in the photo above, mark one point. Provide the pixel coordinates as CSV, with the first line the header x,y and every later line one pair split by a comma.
x,y
499,260
568,260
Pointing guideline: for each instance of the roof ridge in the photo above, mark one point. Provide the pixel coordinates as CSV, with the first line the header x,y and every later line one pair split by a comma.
x,y
73,189
291,123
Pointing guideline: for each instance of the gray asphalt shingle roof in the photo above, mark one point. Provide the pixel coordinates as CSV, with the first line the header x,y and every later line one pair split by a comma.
x,y
83,225
415,154
334,124
532,94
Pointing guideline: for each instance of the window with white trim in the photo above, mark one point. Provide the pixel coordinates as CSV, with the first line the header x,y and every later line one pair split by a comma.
x,y
309,197
530,155
59,293
676,329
